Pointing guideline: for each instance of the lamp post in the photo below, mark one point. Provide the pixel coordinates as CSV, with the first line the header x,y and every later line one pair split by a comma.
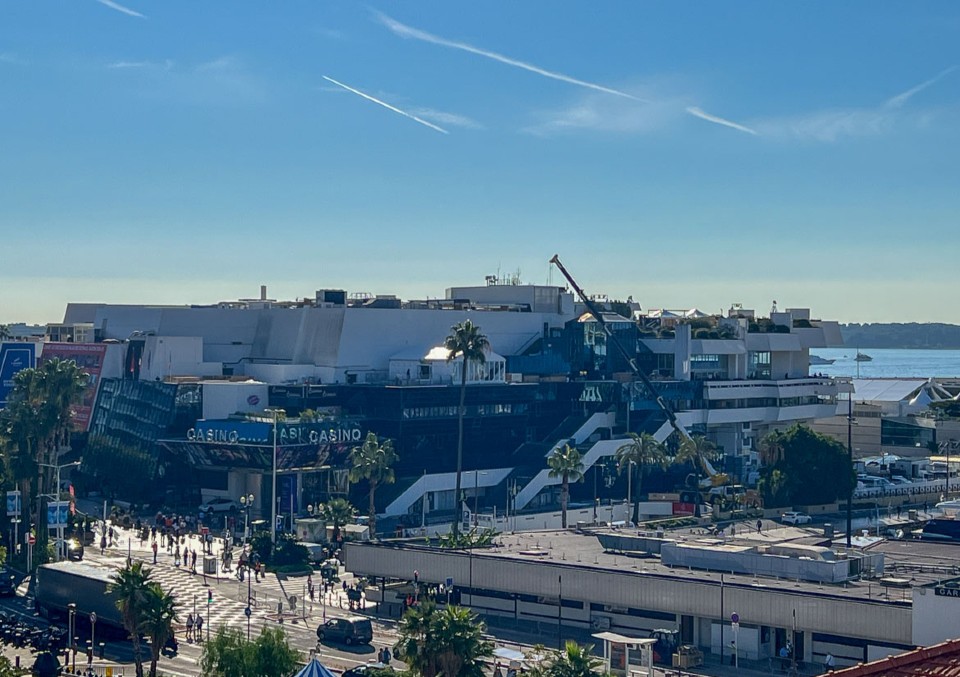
x,y
56,495
72,607
273,502
246,502
850,461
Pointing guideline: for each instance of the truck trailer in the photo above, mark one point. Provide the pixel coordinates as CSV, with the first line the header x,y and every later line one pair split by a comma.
x,y
58,585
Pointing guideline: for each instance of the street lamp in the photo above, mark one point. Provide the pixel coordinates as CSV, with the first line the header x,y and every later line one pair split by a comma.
x,y
246,502
273,503
56,496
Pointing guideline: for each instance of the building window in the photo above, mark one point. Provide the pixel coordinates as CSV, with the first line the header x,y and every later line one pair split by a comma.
x,y
759,365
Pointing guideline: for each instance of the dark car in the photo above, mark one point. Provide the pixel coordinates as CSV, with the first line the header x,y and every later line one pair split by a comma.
x,y
74,549
353,630
8,583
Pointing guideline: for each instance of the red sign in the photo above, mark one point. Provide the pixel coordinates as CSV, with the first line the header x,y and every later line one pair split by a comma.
x,y
88,357
31,539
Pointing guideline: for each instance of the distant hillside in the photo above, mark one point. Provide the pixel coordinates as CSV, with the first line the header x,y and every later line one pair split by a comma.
x,y
899,335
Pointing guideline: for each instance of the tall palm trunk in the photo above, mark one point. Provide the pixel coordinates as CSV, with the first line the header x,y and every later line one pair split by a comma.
x,y
696,493
460,413
564,499
154,657
636,493
373,510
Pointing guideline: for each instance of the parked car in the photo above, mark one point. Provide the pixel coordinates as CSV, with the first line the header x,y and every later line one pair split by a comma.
x,y
794,517
353,630
219,505
365,669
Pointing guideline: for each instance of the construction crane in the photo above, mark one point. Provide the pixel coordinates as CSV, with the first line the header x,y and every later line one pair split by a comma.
x,y
631,359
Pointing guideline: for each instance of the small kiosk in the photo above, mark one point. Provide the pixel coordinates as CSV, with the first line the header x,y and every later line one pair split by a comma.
x,y
627,656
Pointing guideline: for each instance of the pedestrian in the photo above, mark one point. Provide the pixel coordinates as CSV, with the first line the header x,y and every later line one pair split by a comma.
x,y
386,655
198,628
759,525
193,561
110,533
154,548
899,511
190,623
829,663
258,570
103,543
497,672
176,556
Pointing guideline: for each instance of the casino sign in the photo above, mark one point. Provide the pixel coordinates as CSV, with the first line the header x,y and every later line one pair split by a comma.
x,y
240,444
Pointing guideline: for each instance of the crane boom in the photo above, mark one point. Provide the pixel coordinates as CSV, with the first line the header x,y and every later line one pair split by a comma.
x,y
631,360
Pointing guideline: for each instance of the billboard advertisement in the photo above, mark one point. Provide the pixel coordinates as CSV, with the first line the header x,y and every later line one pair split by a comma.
x,y
13,358
89,357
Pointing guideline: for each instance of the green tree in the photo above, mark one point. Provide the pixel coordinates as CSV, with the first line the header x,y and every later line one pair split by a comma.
x,y
5,332
131,585
445,641
157,619
634,456
566,464
373,462
229,654
337,513
466,341
696,450
814,469
575,660
36,424
771,448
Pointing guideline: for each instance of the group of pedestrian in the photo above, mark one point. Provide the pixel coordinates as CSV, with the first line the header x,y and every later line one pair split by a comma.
x,y
383,656
194,628
249,561
189,558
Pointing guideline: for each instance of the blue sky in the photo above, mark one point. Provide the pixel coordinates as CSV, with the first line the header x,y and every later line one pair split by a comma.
x,y
688,154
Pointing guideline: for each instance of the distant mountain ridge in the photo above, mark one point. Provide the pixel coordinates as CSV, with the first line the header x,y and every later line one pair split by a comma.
x,y
933,335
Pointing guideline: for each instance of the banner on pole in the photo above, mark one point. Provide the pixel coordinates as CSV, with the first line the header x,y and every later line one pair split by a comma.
x,y
13,503
57,512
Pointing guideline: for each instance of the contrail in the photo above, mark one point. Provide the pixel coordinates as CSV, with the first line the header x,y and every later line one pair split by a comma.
x,y
902,98
405,31
120,8
386,105
703,115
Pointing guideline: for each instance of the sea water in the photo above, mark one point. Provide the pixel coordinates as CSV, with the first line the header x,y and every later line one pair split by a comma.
x,y
888,363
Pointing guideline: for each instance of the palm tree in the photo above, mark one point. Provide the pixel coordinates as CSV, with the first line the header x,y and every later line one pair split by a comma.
x,y
5,332
565,463
337,513
37,423
373,462
771,448
697,450
131,586
574,661
448,641
642,450
465,340
159,615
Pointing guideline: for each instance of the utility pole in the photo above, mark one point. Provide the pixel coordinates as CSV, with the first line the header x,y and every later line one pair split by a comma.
x,y
850,461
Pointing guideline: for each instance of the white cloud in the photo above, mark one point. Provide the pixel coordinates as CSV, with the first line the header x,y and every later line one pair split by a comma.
x,y
386,105
409,32
12,59
900,99
166,64
449,119
831,125
120,8
223,80
717,120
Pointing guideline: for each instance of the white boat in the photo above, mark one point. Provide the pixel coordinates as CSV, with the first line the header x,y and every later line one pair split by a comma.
x,y
816,360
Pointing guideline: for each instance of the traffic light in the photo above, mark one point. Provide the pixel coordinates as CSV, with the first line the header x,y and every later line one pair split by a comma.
x,y
209,597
